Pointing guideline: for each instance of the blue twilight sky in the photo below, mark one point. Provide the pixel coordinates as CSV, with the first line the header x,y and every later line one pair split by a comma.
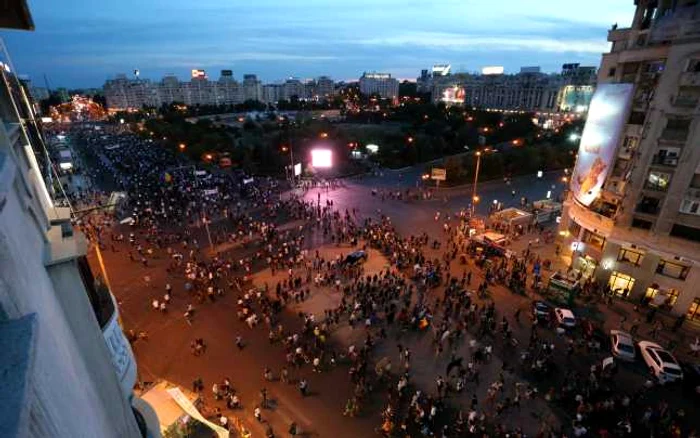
x,y
79,43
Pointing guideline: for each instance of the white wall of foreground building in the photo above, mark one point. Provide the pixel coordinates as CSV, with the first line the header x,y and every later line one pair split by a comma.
x,y
637,254
73,385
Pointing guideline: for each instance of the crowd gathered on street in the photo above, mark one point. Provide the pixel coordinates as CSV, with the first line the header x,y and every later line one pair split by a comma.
x,y
218,228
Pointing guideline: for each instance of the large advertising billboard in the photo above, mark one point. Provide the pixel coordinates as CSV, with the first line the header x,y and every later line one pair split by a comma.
x,y
453,95
596,152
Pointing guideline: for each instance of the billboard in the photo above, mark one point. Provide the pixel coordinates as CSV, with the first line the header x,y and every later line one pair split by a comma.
x,y
493,70
438,174
199,74
297,169
226,73
453,95
596,154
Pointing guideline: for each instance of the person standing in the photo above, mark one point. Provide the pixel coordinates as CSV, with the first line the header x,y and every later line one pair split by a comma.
x,y
303,387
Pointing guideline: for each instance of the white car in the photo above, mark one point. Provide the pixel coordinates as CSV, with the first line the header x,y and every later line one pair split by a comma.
x,y
622,345
660,362
565,317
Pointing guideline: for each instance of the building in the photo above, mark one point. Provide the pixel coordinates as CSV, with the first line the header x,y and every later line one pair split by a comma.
x,y
379,83
293,88
528,90
272,93
122,93
252,88
66,368
324,88
633,216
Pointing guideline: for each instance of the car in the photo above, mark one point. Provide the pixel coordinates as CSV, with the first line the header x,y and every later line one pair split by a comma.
x,y
622,345
691,379
541,311
565,317
355,258
661,363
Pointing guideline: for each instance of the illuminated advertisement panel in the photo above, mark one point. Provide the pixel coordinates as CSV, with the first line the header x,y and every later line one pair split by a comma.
x,y
199,74
453,95
322,158
596,152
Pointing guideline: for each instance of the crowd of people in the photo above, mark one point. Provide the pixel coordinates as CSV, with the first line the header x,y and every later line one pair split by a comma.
x,y
170,205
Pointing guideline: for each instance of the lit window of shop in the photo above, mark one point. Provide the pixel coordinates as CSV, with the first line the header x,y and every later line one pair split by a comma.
x,y
621,284
694,310
658,180
672,269
632,256
661,297
593,239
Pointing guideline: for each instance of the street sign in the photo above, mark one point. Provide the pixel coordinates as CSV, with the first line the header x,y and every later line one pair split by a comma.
x,y
438,174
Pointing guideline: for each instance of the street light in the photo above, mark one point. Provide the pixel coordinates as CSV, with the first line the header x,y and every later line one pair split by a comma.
x,y
182,146
475,198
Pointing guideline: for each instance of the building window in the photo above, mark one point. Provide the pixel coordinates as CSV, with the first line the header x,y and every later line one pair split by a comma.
x,y
672,269
611,72
690,206
648,205
658,297
630,256
621,284
693,66
641,224
685,232
593,239
658,180
694,310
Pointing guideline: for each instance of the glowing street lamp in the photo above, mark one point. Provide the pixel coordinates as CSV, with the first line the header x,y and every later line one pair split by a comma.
x,y
182,146
409,139
324,135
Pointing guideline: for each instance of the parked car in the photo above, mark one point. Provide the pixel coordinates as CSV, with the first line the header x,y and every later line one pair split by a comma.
x,y
355,257
661,363
691,379
622,345
541,311
565,317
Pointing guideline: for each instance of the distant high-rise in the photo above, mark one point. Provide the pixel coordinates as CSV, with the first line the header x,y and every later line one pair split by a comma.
x,y
379,83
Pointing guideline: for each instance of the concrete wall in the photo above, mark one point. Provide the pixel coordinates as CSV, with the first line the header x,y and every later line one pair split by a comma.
x,y
69,398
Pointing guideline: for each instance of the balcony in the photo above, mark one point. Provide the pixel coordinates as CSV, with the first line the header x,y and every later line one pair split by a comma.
x,y
648,205
674,135
690,79
664,160
684,102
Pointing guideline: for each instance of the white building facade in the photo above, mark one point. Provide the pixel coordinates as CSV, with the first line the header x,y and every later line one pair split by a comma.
x,y
379,83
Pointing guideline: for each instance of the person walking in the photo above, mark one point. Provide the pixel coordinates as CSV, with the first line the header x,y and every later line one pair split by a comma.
x,y
303,387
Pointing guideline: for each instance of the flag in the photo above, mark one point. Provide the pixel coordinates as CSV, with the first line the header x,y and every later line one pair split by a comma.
x,y
167,177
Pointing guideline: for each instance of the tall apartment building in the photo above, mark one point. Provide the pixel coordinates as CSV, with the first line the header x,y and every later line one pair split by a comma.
x,y
633,217
324,88
66,368
123,92
252,88
529,90
379,83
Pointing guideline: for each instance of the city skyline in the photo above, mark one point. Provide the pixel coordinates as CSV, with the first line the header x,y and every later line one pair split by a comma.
x,y
81,45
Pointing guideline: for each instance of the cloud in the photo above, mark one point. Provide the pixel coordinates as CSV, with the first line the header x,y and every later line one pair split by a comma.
x,y
452,41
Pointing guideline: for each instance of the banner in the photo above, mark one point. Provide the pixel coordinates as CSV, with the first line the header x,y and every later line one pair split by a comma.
x,y
596,154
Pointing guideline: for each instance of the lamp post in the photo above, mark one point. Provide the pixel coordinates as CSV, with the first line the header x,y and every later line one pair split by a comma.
x,y
476,180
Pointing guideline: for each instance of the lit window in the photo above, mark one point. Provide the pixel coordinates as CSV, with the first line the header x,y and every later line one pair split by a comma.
x,y
673,270
630,256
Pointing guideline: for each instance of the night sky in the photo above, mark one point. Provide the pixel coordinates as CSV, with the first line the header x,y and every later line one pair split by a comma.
x,y
81,43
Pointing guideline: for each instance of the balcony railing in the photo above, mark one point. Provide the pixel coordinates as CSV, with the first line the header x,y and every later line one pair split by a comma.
x,y
662,160
678,135
648,208
684,101
690,79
